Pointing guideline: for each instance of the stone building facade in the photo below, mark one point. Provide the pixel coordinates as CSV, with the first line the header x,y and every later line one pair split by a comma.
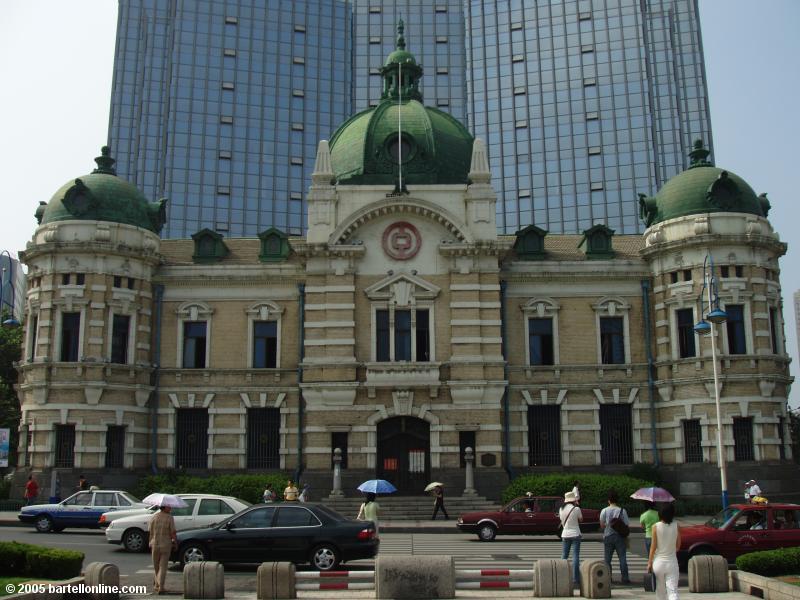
x,y
402,328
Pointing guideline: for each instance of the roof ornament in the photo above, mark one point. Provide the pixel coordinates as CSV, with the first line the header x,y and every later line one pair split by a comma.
x,y
401,41
399,188
699,155
105,164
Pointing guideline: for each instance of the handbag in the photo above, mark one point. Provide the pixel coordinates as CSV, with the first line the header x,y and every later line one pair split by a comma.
x,y
649,582
618,525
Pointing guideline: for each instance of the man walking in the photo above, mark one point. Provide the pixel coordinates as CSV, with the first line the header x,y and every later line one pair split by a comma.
x,y
612,540
31,491
438,503
162,539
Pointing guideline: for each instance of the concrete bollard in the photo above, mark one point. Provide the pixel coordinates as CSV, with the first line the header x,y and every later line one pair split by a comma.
x,y
551,578
203,580
414,577
275,580
595,579
102,573
708,574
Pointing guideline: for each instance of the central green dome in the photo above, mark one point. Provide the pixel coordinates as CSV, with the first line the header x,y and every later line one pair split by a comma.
x,y
431,146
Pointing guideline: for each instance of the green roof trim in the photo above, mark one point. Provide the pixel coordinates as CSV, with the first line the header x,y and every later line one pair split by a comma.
x,y
274,245
597,242
529,244
209,247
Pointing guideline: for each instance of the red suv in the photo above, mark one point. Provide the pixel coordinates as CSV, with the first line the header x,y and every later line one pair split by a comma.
x,y
742,528
531,515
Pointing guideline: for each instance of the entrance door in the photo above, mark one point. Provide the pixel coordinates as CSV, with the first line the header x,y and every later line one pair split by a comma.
x,y
404,445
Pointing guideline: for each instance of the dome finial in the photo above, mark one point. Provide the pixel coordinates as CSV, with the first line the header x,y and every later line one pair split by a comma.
x,y
699,155
401,41
105,164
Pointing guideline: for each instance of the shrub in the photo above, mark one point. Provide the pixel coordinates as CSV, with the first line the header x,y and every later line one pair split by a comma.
x,y
771,563
38,561
246,487
594,488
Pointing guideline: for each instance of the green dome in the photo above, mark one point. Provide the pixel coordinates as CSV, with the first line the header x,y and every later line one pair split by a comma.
x,y
702,188
102,196
433,147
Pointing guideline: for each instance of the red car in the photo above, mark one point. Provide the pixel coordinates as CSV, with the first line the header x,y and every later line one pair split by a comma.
x,y
742,528
536,515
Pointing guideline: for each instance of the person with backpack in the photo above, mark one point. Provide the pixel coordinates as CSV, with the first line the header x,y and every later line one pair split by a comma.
x,y
615,524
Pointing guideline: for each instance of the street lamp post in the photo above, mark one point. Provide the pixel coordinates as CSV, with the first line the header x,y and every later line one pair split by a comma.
x,y
708,324
11,321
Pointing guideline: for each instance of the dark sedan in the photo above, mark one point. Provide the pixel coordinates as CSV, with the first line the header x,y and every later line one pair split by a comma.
x,y
300,533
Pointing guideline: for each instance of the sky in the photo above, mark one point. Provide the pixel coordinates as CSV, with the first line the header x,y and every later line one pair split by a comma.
x,y
56,60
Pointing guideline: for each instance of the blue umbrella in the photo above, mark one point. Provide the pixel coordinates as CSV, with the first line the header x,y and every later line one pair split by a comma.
x,y
377,486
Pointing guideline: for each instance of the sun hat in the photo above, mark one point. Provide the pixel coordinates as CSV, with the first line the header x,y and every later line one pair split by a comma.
x,y
570,497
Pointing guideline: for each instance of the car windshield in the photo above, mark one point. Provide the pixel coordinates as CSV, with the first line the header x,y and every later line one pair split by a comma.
x,y
132,498
722,517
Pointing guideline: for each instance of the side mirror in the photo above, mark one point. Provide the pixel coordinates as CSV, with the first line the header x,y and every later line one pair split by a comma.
x,y
229,525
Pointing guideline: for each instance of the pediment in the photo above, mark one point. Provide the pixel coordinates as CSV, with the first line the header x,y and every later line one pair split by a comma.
x,y
403,289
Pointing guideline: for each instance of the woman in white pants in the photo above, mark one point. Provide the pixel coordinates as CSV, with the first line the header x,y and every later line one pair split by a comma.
x,y
664,554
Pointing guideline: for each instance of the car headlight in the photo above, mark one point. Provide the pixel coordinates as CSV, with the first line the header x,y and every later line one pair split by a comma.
x,y
110,525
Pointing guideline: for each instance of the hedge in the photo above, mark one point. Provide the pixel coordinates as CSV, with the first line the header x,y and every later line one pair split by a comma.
x,y
594,488
17,559
771,563
246,487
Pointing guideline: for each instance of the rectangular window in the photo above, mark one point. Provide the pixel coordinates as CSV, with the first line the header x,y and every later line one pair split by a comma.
x,y
673,277
466,439
540,341
687,274
616,434
743,439
194,345
191,438
65,446
65,279
115,446
411,332
739,270
782,447
339,440
612,341
423,336
684,321
402,335
120,332
724,271
773,328
117,281
735,325
265,344
70,336
80,279
34,334
692,441
263,438
382,336
544,435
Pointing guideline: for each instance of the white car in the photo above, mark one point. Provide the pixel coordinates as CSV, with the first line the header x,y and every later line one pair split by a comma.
x,y
202,511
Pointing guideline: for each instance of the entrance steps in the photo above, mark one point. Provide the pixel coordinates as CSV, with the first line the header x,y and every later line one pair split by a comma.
x,y
412,508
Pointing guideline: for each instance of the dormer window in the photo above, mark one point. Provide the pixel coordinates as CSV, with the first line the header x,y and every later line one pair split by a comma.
x,y
208,247
274,245
597,242
530,243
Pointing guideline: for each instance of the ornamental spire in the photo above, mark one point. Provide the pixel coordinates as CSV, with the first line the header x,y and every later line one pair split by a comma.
x,y
401,41
105,164
699,155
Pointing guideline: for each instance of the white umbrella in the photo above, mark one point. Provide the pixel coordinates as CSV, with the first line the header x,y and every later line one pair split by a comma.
x,y
433,485
159,499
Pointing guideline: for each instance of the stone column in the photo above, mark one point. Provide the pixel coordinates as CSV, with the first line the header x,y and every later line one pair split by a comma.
x,y
469,458
336,492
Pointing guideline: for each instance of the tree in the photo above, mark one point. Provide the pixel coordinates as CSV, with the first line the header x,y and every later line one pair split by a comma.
x,y
10,352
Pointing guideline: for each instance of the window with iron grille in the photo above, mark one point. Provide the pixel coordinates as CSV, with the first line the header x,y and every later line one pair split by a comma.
x,y
339,440
616,434
612,340
466,439
263,438
735,325
540,341
65,446
191,438
685,326
70,336
265,344
773,328
544,435
743,448
194,345
115,446
692,441
119,339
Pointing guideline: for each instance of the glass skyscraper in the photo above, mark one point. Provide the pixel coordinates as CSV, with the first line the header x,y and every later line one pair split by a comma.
x,y
583,103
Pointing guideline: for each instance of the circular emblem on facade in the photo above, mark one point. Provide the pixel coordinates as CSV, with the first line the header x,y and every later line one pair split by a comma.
x,y
401,241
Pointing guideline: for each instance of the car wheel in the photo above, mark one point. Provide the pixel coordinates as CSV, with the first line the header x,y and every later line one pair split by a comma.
x,y
325,557
487,532
133,540
193,552
43,524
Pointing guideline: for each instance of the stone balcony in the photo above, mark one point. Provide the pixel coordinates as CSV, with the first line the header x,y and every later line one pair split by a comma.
x,y
403,375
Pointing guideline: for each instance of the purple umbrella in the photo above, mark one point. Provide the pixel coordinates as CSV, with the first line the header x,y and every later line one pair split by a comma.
x,y
653,494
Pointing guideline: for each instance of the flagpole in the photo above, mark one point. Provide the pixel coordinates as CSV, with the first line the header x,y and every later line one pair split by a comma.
x,y
399,126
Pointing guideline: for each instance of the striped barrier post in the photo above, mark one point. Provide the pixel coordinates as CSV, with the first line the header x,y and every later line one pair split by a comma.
x,y
474,579
334,580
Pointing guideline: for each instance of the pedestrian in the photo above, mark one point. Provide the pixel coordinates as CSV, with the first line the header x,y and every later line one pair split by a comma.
x,y
369,511
269,494
570,516
82,483
663,557
290,493
751,491
647,519
612,540
438,503
31,490
163,538
576,489
305,495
